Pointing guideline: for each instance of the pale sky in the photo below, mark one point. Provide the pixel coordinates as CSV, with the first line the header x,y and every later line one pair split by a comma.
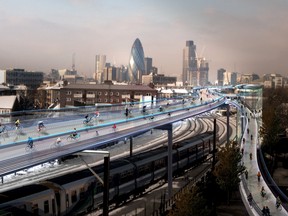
x,y
247,36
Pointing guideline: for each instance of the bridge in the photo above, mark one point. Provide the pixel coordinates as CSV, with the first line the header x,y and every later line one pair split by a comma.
x,y
15,158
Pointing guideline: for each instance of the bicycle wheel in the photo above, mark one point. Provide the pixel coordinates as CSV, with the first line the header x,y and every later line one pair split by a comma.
x,y
279,208
69,138
29,149
55,145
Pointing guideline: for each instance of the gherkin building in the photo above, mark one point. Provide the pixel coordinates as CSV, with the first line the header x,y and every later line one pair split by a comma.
x,y
136,66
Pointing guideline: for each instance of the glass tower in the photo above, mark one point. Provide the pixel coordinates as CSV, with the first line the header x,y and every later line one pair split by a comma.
x,y
190,67
136,65
100,62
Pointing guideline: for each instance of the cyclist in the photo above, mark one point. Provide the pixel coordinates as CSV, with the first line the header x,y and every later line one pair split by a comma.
x,y
74,134
278,202
40,125
114,127
258,176
2,128
17,123
160,109
250,198
246,174
30,142
263,192
58,140
97,114
144,109
87,118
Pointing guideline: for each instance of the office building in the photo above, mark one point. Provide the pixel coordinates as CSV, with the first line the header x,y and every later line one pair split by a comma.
x,y
148,66
220,76
100,63
136,66
190,67
21,77
203,72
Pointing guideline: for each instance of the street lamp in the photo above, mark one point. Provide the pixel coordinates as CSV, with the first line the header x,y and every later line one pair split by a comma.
x,y
104,182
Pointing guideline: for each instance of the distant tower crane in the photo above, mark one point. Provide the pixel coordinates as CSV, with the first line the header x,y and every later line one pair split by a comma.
x,y
73,62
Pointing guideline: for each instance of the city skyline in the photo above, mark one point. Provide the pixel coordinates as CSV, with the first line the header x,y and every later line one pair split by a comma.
x,y
242,36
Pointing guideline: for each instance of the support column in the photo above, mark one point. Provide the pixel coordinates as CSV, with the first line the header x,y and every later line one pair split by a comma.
x,y
228,125
131,146
106,186
214,145
170,168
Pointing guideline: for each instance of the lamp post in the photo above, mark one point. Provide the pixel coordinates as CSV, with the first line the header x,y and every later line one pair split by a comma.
x,y
104,182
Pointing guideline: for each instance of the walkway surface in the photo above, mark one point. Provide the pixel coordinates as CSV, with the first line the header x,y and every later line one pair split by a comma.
x,y
251,183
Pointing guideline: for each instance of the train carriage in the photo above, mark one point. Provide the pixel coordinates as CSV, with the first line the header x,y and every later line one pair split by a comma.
x,y
81,192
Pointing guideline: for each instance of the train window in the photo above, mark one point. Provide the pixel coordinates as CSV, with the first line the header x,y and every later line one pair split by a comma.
x,y
35,209
82,192
159,163
193,150
53,206
74,196
46,206
142,170
126,175
67,200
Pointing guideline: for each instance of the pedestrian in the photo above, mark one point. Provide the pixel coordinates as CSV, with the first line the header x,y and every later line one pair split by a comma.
x,y
264,213
250,155
267,211
250,198
242,151
246,174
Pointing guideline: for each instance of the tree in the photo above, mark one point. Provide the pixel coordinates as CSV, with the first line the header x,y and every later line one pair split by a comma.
x,y
274,121
191,203
229,168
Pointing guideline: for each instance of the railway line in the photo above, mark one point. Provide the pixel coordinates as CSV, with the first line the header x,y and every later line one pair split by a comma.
x,y
188,128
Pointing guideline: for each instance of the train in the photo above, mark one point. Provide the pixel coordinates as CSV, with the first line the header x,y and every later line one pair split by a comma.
x,y
80,192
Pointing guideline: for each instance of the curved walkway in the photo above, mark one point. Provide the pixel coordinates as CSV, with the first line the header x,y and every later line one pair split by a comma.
x,y
251,184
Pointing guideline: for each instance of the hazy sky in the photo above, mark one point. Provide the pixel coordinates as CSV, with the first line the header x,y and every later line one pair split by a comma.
x,y
248,36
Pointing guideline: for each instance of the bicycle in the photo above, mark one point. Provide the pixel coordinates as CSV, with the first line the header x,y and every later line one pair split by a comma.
x,y
18,129
56,144
88,120
278,206
41,129
30,148
72,137
4,131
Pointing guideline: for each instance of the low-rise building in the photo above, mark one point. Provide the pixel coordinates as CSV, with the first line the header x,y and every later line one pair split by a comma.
x,y
90,94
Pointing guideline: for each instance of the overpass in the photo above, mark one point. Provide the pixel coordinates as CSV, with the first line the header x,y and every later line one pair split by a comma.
x,y
14,158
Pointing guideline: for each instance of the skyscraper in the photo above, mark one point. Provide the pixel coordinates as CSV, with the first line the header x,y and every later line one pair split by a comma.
x,y
136,66
203,72
220,76
190,68
100,62
148,65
